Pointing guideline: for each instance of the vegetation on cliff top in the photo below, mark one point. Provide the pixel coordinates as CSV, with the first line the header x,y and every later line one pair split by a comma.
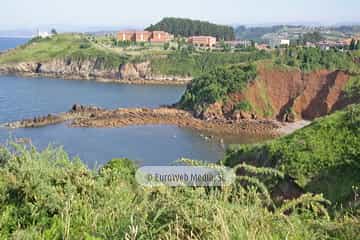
x,y
310,59
180,59
205,89
216,85
323,157
44,195
194,64
187,27
352,88
62,46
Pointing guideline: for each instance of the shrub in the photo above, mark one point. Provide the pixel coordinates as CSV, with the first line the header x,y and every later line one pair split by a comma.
x,y
84,45
244,106
216,85
323,157
45,195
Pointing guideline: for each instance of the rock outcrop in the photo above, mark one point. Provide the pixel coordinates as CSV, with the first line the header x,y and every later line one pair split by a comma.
x,y
92,68
94,117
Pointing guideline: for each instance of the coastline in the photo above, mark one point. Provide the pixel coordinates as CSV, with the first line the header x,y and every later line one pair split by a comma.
x,y
93,117
77,77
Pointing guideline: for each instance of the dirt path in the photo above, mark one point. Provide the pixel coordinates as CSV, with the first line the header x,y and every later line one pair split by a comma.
x,y
288,128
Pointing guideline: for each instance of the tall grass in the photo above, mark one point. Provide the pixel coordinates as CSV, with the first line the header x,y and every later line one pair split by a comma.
x,y
45,195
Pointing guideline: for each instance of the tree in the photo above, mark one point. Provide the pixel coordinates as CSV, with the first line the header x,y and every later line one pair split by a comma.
x,y
352,45
225,46
53,31
188,27
166,46
312,37
358,45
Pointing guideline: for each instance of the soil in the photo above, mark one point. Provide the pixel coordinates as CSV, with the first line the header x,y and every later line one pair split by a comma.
x,y
276,92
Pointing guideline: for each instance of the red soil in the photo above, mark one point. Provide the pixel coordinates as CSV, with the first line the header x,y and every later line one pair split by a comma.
x,y
309,95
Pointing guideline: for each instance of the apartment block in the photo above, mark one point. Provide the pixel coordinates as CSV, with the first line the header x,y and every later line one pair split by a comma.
x,y
202,41
145,36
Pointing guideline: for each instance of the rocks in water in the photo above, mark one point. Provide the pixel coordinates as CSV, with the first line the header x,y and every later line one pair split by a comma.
x,y
91,116
37,121
76,108
213,112
82,108
23,141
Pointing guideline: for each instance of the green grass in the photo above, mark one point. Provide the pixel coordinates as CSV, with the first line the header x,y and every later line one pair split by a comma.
x,y
195,64
45,195
312,59
62,46
323,157
352,88
216,85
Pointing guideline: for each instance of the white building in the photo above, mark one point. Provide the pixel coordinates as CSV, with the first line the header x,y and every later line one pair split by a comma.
x,y
284,42
279,43
43,34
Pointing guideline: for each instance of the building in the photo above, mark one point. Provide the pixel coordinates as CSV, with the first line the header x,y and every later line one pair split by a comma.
x,y
126,36
43,34
160,37
279,43
284,42
145,36
239,43
262,46
202,41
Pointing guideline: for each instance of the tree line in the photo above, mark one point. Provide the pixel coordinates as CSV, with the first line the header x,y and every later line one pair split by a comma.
x,y
354,45
188,27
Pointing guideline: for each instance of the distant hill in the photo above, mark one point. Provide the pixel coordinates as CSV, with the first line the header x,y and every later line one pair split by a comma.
x,y
293,32
188,27
257,33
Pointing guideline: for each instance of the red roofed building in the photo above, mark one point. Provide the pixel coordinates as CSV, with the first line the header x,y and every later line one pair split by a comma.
x,y
126,36
145,36
202,41
142,36
161,36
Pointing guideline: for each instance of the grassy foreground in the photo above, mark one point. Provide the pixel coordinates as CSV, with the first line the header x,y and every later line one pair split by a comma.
x,y
44,195
323,157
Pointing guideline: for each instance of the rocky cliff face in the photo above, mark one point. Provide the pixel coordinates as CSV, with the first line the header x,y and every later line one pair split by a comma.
x,y
90,69
291,95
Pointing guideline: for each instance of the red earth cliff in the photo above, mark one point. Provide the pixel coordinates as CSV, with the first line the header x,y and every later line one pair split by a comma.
x,y
276,93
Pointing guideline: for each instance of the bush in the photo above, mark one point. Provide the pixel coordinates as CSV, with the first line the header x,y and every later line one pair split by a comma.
x,y
84,45
352,88
244,106
187,63
45,195
216,85
323,157
310,59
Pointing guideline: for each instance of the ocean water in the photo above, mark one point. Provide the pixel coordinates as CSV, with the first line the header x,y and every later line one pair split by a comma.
x,y
23,97
8,43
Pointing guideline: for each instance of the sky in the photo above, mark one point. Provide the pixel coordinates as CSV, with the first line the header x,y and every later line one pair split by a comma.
x,y
140,13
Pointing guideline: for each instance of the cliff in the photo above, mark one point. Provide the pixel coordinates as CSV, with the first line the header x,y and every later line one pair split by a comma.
x,y
289,95
90,68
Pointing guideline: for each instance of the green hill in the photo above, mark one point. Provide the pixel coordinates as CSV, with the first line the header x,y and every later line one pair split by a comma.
x,y
75,46
187,27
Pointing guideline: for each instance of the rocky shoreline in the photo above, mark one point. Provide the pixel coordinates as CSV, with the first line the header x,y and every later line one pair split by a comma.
x,y
94,117
69,69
